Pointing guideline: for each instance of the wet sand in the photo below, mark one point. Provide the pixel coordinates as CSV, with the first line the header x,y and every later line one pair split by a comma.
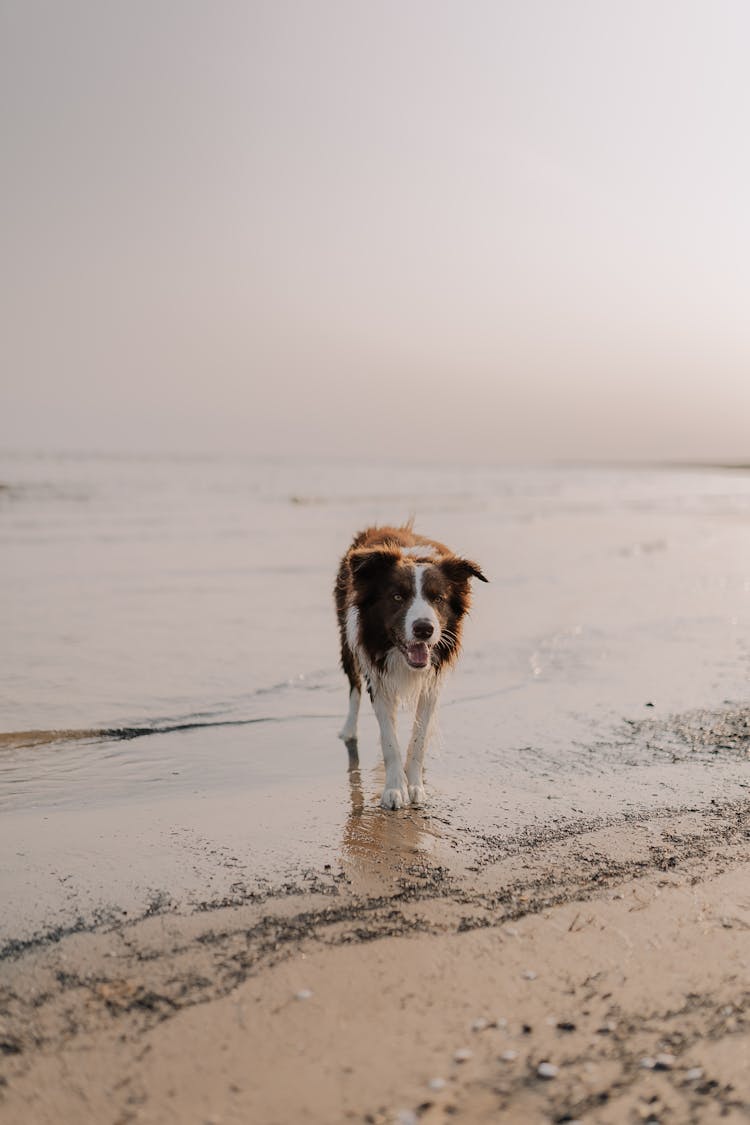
x,y
609,950
617,956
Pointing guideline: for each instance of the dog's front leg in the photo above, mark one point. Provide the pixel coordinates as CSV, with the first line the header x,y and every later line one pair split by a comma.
x,y
396,792
418,743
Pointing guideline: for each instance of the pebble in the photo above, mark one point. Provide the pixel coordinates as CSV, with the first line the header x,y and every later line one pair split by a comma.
x,y
647,1063
547,1070
528,974
405,1117
664,1061
437,1084
509,1056
463,1054
303,994
479,1025
694,1073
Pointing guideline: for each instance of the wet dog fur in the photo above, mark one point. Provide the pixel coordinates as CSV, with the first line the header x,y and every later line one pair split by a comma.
x,y
400,601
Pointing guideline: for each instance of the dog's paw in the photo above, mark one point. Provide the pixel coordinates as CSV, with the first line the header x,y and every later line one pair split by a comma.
x,y
394,798
417,795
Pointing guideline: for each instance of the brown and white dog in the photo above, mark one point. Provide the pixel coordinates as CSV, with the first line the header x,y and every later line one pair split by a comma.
x,y
400,600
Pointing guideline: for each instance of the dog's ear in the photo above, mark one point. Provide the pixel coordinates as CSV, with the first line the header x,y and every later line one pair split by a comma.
x,y
461,570
369,563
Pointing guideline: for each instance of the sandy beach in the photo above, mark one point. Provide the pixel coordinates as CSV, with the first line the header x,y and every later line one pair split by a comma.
x,y
597,975
206,917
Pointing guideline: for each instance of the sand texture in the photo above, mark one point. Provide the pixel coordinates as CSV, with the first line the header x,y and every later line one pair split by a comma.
x,y
615,959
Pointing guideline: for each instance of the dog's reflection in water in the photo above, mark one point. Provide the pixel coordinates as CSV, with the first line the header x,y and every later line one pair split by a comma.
x,y
381,850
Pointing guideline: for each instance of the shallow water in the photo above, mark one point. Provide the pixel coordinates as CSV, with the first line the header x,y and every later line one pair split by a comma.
x,y
171,689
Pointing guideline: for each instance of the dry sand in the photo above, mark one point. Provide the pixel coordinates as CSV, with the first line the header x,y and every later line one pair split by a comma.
x,y
617,957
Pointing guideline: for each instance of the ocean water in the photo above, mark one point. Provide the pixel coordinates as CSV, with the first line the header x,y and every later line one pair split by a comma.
x,y
169,643
155,593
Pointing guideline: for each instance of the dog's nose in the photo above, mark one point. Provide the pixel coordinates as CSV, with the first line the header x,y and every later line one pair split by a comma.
x,y
422,629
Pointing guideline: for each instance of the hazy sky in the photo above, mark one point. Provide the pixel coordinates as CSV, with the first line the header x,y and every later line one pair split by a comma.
x,y
512,231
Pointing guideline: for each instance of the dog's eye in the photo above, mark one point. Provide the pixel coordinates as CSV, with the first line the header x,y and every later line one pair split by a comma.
x,y
398,597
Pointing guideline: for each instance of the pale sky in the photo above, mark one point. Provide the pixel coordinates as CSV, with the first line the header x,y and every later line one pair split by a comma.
x,y
511,231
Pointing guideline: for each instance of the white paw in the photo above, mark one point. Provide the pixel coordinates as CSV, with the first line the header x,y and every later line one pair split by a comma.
x,y
417,795
394,798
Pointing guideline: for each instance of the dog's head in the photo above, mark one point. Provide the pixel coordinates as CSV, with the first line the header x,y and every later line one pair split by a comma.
x,y
412,601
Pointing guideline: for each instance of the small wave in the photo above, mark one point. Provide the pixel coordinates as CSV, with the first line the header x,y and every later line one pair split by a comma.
x,y
24,739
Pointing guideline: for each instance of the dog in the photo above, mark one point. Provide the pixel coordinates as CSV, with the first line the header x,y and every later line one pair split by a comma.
x,y
400,601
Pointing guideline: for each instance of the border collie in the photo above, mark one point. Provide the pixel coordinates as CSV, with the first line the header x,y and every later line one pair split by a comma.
x,y
400,601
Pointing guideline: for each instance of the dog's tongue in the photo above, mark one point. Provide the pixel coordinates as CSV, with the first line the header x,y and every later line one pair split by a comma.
x,y
417,654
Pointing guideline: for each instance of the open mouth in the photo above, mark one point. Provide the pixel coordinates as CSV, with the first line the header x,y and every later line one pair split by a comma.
x,y
417,654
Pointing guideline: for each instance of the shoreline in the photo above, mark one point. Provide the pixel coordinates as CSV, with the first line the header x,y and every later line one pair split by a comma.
x,y
68,866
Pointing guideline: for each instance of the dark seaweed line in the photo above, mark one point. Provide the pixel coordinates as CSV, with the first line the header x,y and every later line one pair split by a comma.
x,y
120,734
28,739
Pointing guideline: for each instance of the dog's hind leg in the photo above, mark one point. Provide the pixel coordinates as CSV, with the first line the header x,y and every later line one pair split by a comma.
x,y
349,730
418,743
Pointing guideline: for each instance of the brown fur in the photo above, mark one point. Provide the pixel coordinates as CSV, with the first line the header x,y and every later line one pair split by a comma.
x,y
400,600
375,569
